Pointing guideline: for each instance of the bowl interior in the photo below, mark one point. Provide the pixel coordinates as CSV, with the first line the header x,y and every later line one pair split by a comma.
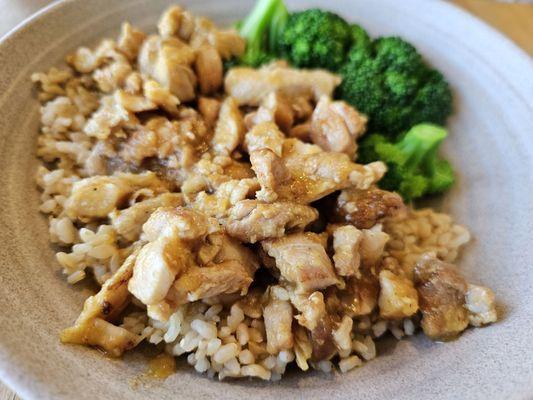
x,y
490,146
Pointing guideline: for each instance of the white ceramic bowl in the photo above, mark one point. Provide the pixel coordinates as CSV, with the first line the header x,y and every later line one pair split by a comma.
x,y
491,146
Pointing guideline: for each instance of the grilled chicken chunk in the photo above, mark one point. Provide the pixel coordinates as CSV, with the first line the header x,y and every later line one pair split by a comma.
x,y
346,243
304,173
97,196
92,326
209,69
229,129
277,314
397,296
335,126
251,220
275,108
265,135
481,305
302,260
250,86
365,208
441,292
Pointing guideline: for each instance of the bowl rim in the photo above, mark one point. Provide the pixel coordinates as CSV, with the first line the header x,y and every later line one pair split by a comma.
x,y
13,377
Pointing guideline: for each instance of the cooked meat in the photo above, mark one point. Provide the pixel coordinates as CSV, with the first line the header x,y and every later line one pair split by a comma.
x,y
305,173
251,220
91,327
161,96
277,314
346,243
312,308
398,298
176,22
441,292
335,126
168,61
209,108
372,245
250,86
209,70
128,222
275,108
229,129
322,339
230,271
185,224
97,196
130,41
158,263
360,296
302,260
225,197
365,208
265,135
301,131
481,305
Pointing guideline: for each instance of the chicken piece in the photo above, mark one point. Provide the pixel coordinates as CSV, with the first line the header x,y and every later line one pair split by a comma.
x,y
265,135
231,271
130,41
209,70
113,76
168,61
481,305
251,220
441,292
229,129
398,298
108,119
209,109
180,222
365,208
91,328
302,260
312,308
228,43
176,22
360,296
346,243
161,96
97,196
128,222
372,246
275,108
305,173
277,314
228,194
158,263
335,126
250,86
301,131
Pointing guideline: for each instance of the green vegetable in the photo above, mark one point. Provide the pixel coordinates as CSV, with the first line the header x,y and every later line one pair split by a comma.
x,y
316,39
414,168
262,29
388,80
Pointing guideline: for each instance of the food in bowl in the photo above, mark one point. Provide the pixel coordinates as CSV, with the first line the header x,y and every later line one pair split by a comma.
x,y
221,209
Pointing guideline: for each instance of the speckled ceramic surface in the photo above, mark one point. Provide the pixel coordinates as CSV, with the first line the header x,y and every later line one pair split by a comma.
x,y
491,146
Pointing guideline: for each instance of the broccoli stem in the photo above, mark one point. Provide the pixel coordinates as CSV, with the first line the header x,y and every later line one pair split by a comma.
x,y
420,146
255,25
277,25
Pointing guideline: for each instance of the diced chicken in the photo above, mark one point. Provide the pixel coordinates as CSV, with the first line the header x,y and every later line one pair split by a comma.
x,y
128,222
226,196
373,245
251,220
481,305
179,222
91,327
231,271
130,41
209,109
365,208
441,292
229,129
398,298
133,102
346,243
275,108
302,260
265,135
228,43
176,22
161,96
168,61
335,126
305,174
312,308
97,196
360,296
277,315
113,76
301,131
158,263
209,70
250,86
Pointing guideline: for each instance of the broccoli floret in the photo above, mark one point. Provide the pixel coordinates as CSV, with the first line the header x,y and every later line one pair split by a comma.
x,y
389,81
261,29
414,168
316,38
